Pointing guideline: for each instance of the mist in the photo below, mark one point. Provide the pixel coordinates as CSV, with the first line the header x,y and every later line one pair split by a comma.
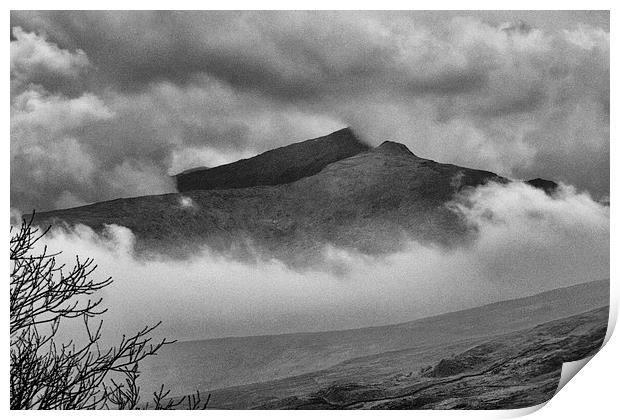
x,y
525,242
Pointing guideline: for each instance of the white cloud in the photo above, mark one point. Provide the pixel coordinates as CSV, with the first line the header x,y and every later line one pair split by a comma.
x,y
187,203
588,37
50,162
38,109
134,178
34,59
68,200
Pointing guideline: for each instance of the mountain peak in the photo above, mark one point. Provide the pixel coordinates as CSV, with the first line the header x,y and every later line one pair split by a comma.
x,y
345,137
338,191
543,184
346,131
393,148
277,166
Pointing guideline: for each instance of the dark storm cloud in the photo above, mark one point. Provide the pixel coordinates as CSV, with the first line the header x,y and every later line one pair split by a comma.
x,y
448,84
529,100
294,56
134,49
139,95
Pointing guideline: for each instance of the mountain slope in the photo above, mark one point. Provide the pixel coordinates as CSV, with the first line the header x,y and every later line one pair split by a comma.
x,y
514,370
324,357
278,166
372,202
547,186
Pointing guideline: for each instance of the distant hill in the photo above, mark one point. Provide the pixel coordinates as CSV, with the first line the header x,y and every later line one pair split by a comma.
x,y
507,371
300,363
277,166
330,190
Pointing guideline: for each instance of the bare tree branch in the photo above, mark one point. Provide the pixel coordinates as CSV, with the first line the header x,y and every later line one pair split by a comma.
x,y
50,375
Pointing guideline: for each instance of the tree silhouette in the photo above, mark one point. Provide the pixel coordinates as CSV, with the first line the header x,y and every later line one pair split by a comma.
x,y
46,374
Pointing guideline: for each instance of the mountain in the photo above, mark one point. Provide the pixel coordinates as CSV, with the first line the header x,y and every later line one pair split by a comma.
x,y
191,170
278,166
547,186
290,202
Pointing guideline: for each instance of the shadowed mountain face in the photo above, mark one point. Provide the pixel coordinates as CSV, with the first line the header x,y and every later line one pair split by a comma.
x,y
333,190
278,166
547,186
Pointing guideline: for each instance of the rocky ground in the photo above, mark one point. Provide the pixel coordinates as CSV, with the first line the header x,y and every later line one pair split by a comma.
x,y
515,370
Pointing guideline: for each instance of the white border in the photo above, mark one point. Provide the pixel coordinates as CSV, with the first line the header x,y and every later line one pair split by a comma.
x,y
593,394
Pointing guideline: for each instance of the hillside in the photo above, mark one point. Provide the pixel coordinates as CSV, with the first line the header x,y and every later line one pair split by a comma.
x,y
372,202
268,368
343,193
508,371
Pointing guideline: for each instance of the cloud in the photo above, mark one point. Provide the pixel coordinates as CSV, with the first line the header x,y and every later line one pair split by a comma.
x,y
526,242
48,161
588,37
522,94
131,143
521,228
15,216
187,203
34,60
55,162
37,108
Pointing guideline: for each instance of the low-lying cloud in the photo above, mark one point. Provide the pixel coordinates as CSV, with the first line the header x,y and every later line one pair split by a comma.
x,y
526,242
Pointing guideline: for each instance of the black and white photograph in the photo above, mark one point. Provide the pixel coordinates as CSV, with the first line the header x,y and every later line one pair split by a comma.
x,y
306,209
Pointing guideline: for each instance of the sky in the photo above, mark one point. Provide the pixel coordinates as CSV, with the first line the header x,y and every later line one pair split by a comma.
x,y
110,104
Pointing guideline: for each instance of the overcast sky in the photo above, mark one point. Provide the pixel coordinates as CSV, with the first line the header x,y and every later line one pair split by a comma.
x,y
107,105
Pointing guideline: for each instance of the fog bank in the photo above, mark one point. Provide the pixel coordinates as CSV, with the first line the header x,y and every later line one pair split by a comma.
x,y
526,242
